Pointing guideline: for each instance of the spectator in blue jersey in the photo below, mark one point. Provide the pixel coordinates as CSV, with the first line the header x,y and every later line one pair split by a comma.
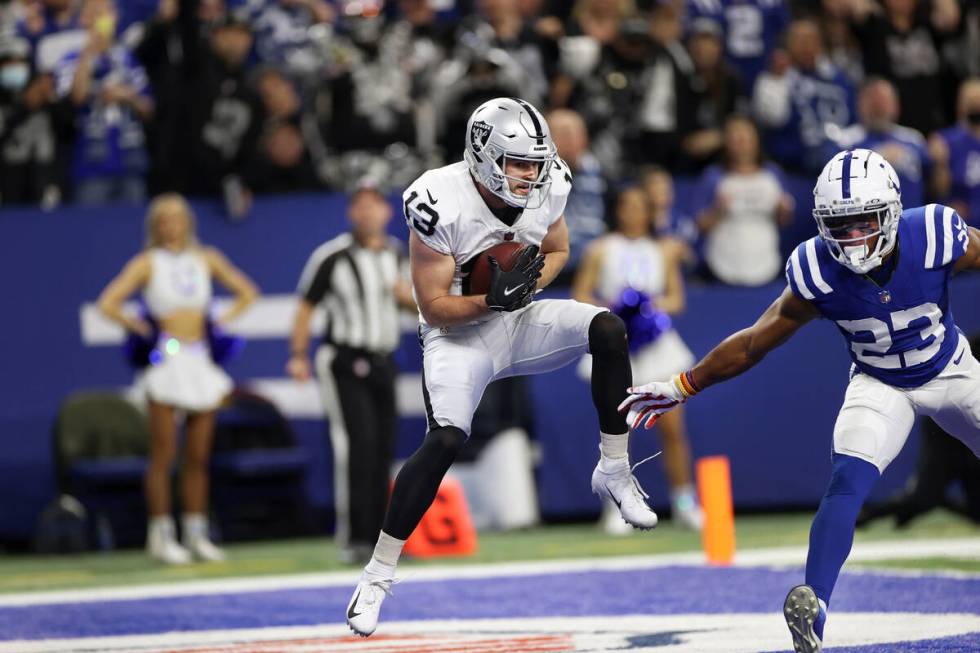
x,y
881,274
752,30
902,40
903,147
745,208
111,94
585,210
956,151
802,94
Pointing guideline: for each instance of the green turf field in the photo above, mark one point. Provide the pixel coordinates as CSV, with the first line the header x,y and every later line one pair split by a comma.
x,y
26,572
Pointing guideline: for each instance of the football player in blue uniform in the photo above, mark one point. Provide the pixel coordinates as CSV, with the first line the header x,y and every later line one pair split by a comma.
x,y
882,275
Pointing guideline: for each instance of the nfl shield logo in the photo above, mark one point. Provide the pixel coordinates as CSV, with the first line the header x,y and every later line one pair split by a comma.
x,y
884,297
480,134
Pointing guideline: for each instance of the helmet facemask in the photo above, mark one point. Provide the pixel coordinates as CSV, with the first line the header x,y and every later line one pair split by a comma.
x,y
493,176
847,230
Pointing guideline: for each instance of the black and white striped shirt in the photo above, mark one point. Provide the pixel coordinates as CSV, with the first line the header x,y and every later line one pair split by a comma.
x,y
356,287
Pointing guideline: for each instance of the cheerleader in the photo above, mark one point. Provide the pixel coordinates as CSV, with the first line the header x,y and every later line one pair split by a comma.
x,y
174,273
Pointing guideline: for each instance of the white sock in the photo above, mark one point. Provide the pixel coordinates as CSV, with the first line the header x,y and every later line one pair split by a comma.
x,y
162,526
385,558
195,526
615,445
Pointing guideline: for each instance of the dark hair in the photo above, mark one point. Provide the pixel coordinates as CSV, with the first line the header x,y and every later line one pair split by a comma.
x,y
628,188
760,156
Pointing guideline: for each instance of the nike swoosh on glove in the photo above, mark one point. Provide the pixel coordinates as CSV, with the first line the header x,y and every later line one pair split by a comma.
x,y
646,403
515,288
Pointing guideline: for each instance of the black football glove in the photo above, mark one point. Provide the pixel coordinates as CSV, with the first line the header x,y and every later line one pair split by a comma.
x,y
512,290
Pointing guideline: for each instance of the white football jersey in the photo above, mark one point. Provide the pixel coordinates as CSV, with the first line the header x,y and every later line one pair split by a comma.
x,y
448,214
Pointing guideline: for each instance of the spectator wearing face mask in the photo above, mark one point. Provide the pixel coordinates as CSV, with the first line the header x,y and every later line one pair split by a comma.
x,y
956,151
31,122
111,95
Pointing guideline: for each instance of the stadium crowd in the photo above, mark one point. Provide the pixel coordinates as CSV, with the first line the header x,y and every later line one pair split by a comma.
x,y
105,100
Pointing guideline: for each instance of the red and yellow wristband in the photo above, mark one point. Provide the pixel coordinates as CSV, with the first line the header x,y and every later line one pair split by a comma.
x,y
686,384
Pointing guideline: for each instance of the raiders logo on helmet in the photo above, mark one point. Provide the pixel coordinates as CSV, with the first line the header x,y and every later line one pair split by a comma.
x,y
480,134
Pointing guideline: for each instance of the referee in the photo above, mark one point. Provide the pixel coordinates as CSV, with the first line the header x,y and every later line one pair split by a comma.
x,y
359,279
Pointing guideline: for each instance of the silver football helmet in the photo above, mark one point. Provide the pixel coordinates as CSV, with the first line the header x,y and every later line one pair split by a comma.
x,y
857,196
510,129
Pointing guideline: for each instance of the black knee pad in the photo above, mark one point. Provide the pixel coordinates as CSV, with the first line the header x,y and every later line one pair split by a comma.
x,y
607,333
445,439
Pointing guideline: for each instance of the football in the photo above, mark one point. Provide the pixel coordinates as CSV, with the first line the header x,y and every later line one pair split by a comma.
x,y
506,254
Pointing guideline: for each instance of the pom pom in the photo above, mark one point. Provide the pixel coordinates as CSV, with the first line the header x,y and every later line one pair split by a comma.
x,y
644,321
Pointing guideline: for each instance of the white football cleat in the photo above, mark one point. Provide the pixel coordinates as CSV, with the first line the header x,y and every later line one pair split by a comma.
x,y
365,606
622,488
204,550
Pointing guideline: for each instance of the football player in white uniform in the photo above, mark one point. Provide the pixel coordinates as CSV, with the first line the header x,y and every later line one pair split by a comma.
x,y
511,185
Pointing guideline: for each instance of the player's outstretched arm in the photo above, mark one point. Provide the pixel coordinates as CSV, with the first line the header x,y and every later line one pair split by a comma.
x,y
554,248
736,354
971,259
432,277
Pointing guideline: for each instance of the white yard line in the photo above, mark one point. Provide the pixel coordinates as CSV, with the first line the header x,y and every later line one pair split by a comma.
x,y
774,557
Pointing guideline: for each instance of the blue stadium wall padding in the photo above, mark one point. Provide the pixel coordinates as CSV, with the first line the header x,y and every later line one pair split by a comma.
x,y
774,423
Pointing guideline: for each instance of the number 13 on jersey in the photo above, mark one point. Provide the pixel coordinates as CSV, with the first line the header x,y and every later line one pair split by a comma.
x,y
424,217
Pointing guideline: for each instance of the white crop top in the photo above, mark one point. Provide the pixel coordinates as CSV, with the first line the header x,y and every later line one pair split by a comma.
x,y
177,281
631,263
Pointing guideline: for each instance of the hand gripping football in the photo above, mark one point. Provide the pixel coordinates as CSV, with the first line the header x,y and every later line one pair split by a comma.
x,y
506,254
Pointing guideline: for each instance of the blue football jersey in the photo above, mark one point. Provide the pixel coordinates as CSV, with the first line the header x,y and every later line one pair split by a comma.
x,y
818,98
901,333
752,29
